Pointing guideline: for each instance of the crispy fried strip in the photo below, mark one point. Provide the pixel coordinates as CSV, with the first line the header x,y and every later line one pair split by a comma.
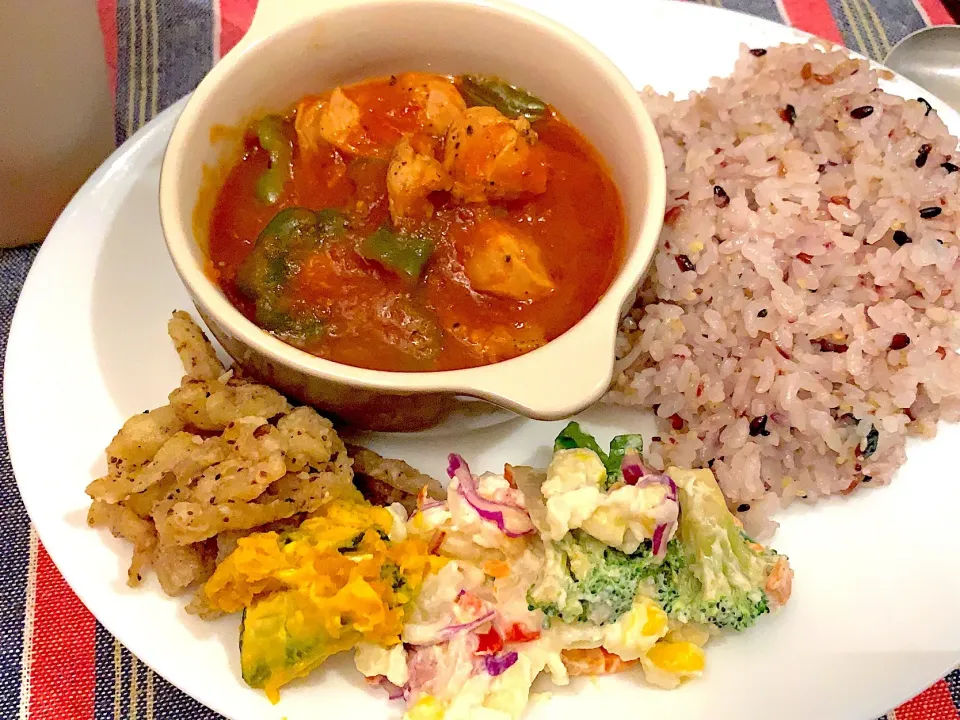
x,y
384,481
199,359
124,523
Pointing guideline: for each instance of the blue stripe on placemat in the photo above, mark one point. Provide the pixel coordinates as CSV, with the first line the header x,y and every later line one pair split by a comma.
x,y
164,48
953,683
185,48
169,702
850,26
154,696
14,265
899,18
131,30
105,690
767,9
872,27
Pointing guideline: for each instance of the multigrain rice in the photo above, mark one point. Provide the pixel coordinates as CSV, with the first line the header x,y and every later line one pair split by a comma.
x,y
798,322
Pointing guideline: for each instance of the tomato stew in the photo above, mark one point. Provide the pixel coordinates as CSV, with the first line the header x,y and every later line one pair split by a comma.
x,y
417,223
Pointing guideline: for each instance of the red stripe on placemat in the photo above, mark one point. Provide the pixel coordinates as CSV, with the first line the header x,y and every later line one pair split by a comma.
x,y
934,12
63,674
107,9
813,16
235,19
935,703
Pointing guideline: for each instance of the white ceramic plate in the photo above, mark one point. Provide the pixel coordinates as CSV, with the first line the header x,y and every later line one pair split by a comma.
x,y
874,614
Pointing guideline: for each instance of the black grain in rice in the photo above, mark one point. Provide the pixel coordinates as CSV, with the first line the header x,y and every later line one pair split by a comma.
x,y
720,197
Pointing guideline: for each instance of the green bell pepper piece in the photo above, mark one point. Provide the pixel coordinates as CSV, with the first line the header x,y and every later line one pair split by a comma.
x,y
401,251
272,136
491,91
292,234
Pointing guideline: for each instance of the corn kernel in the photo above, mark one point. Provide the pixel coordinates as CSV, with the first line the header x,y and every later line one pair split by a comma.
x,y
696,247
426,708
656,621
679,658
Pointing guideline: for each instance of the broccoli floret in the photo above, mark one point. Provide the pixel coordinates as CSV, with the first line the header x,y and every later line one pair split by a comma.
x,y
712,572
584,580
717,574
610,586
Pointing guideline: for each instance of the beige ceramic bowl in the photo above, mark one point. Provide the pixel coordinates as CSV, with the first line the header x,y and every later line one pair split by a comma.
x,y
296,47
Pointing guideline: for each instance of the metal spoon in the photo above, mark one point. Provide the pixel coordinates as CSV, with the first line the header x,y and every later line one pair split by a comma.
x,y
931,58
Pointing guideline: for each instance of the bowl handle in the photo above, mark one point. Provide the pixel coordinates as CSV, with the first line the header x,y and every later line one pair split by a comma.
x,y
560,379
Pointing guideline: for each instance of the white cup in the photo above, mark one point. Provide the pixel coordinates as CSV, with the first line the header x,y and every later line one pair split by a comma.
x,y
56,113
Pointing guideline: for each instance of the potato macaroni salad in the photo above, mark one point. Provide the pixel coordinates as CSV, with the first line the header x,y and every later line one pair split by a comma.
x,y
595,565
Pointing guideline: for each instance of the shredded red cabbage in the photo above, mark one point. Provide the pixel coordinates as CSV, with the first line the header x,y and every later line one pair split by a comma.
x,y
451,630
498,664
445,633
513,521
636,473
431,504
394,692
658,534
632,468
